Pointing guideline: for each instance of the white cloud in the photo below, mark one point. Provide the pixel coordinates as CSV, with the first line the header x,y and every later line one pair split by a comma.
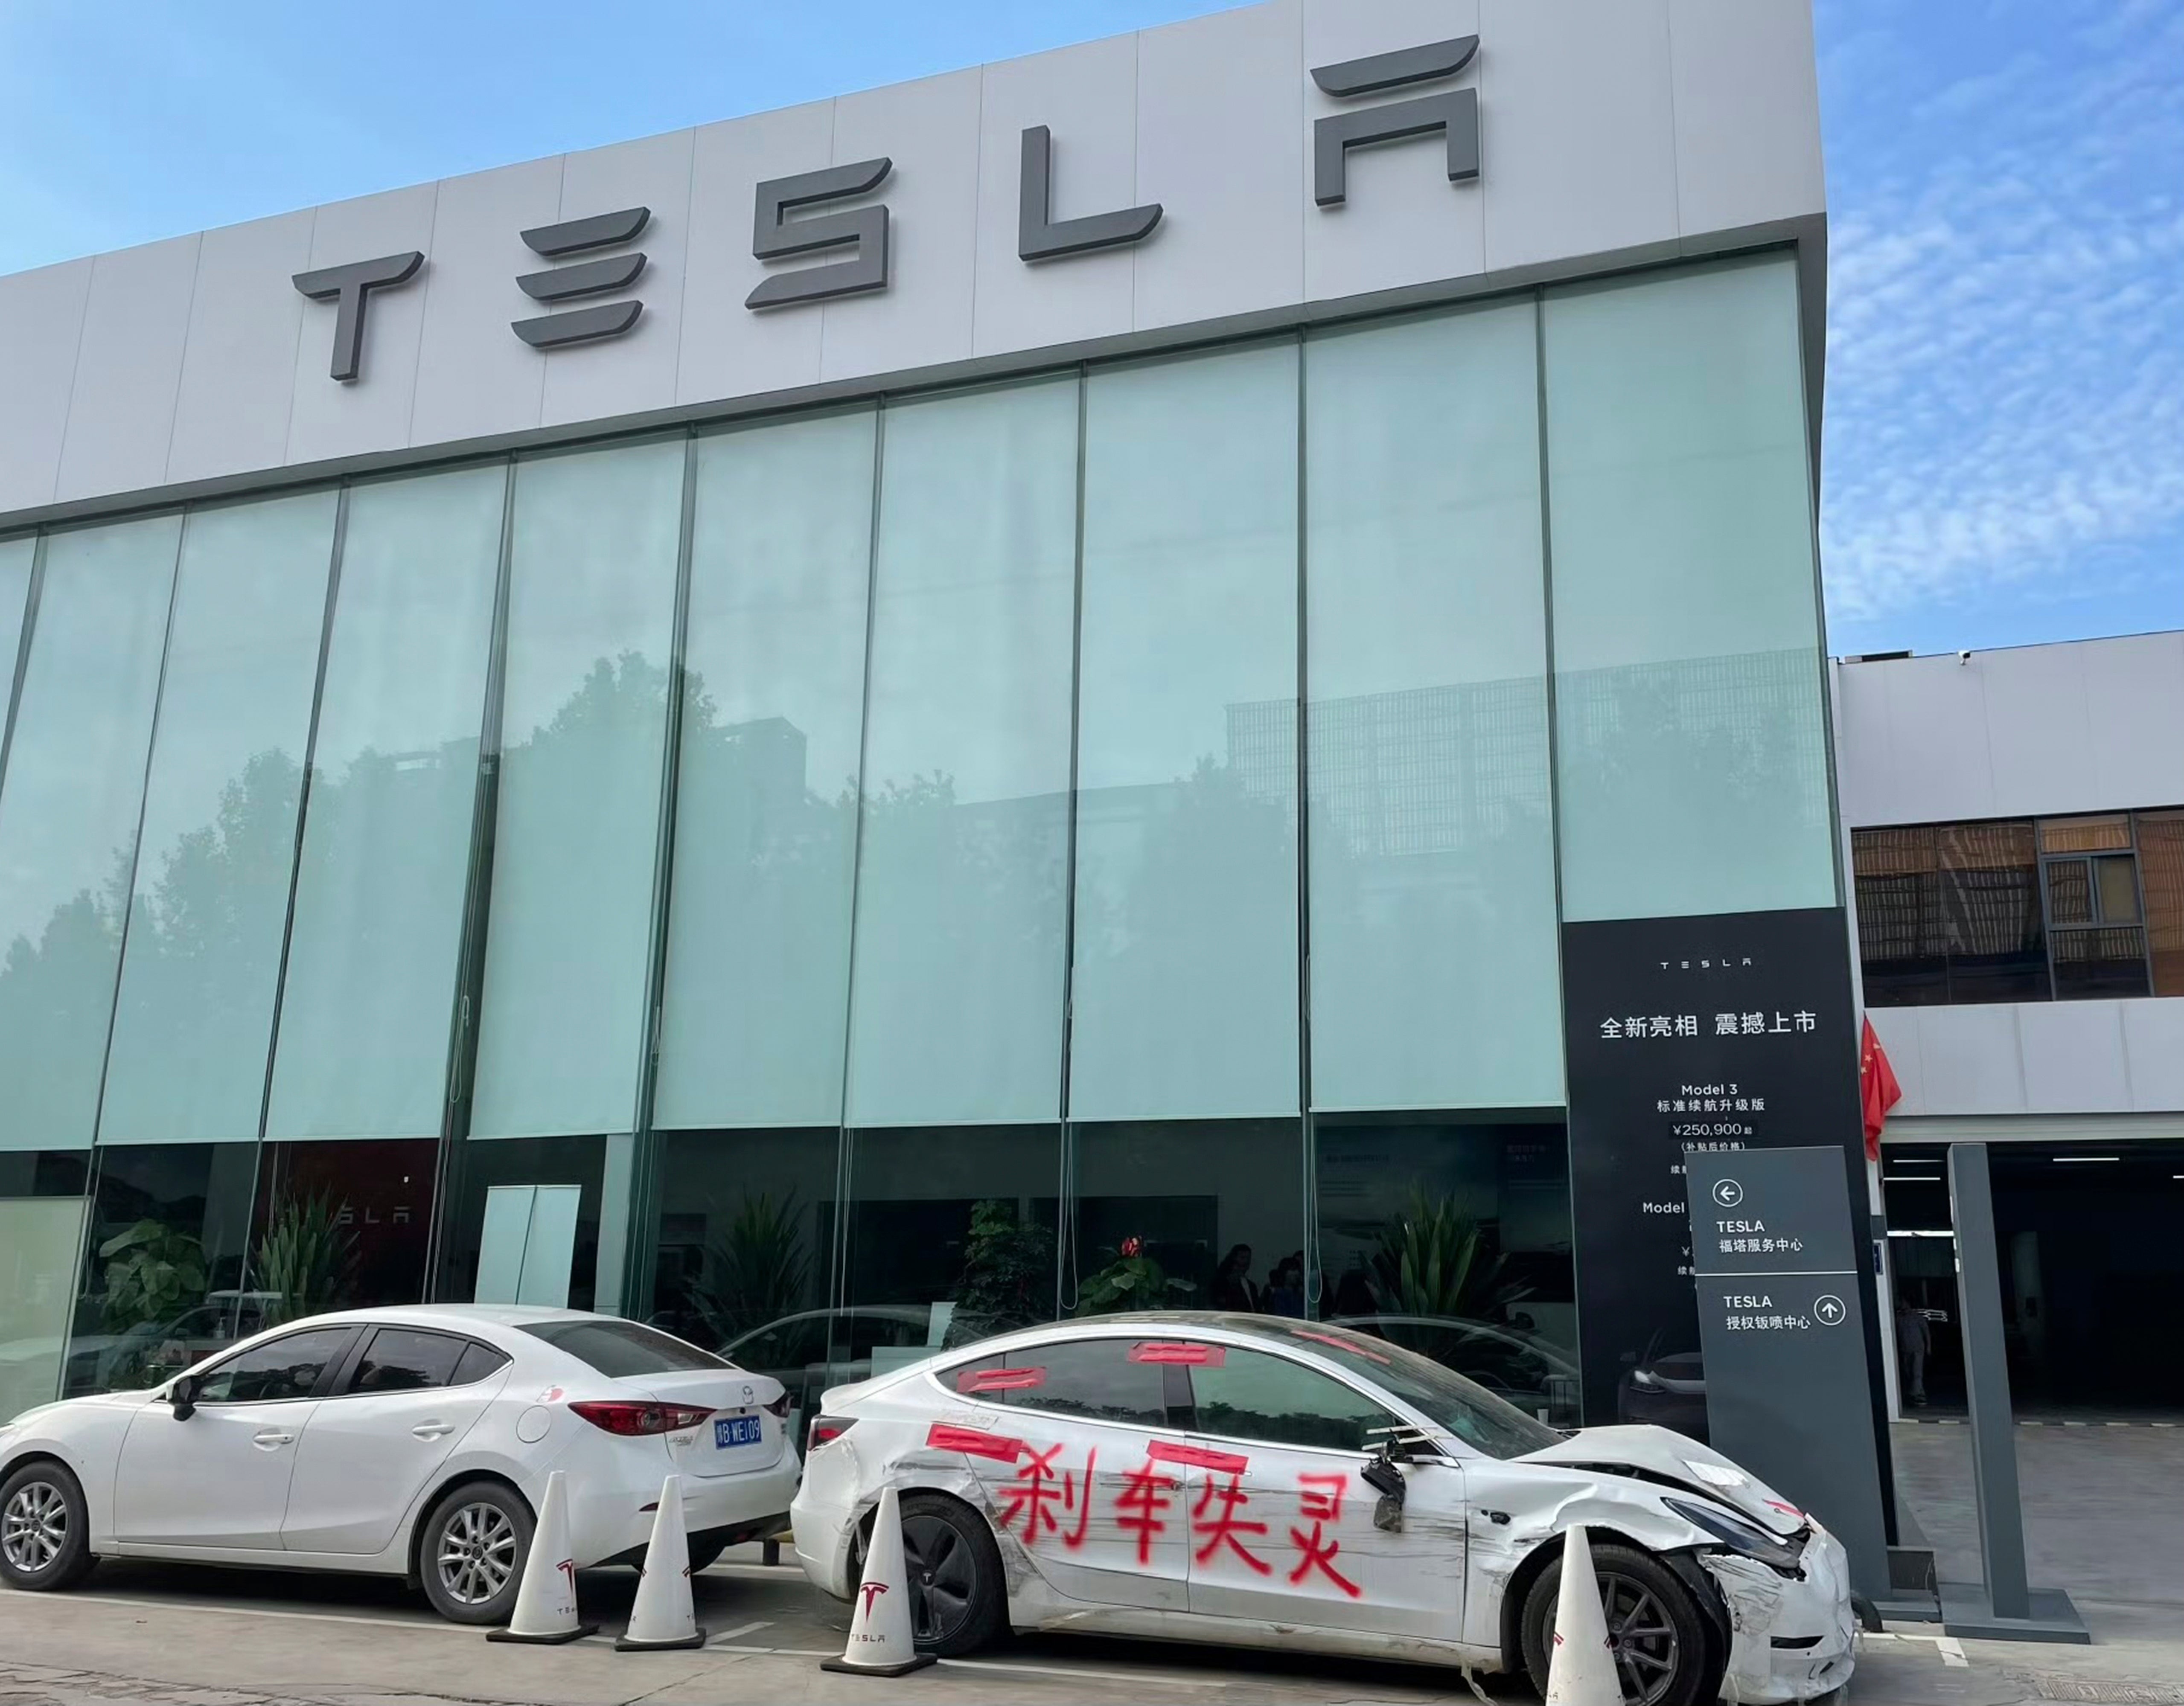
x,y
2006,314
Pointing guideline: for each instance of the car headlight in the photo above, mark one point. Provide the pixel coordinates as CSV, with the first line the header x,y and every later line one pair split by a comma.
x,y
1746,1540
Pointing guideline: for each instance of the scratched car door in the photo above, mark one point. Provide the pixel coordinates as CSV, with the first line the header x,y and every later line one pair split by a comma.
x,y
1282,1523
1064,1442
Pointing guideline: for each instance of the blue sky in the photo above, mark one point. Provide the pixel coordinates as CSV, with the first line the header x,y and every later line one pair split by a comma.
x,y
2005,444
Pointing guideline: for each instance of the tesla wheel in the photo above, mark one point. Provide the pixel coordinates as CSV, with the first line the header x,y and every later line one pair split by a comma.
x,y
1655,1629
471,1559
959,1601
45,1529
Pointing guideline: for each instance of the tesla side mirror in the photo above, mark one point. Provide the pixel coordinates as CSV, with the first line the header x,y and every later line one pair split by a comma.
x,y
183,1395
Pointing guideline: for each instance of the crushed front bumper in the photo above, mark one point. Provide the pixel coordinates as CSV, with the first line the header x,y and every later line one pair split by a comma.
x,y
1788,1640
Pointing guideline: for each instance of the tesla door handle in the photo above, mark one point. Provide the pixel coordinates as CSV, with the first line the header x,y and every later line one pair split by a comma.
x,y
272,1439
433,1430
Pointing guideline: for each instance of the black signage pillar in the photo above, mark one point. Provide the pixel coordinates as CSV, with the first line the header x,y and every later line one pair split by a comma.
x,y
1782,1325
1712,1035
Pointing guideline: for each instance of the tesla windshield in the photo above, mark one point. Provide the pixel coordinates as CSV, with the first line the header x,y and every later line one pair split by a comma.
x,y
1467,1410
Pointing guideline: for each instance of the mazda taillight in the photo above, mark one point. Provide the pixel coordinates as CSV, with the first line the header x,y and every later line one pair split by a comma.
x,y
631,1420
778,1410
829,1429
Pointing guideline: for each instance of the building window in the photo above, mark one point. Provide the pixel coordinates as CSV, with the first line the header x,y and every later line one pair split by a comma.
x,y
2021,909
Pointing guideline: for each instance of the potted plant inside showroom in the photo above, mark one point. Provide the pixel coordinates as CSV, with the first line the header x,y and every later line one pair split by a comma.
x,y
1132,1280
154,1274
306,1261
756,1271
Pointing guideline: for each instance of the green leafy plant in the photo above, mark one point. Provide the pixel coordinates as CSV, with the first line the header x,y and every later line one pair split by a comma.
x,y
1434,1261
1008,1266
756,1271
307,1259
1132,1280
153,1274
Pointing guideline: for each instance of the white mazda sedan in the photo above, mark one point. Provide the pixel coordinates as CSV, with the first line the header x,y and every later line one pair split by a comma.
x,y
1260,1482
408,1441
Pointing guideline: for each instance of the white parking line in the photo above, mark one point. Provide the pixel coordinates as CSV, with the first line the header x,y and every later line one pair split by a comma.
x,y
741,1631
1072,1673
418,1622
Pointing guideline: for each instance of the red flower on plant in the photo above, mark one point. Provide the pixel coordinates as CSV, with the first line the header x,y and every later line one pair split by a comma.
x,y
1133,1246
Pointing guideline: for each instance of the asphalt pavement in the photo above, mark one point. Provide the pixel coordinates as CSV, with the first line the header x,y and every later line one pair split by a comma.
x,y
157,1635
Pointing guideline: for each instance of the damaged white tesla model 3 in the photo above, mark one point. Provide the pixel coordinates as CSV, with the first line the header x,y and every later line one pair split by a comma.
x,y
1258,1481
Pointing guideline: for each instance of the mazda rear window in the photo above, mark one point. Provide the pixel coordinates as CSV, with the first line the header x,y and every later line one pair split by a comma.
x,y
620,1349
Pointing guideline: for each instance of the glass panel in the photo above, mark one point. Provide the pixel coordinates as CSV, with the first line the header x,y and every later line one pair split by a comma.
x,y
1691,755
546,1162
1902,945
2100,964
1183,1216
400,1359
1453,1240
1185,995
368,1002
477,1363
194,1018
342,1225
1433,961
41,1241
962,885
1991,919
1095,1378
285,1368
2069,893
16,557
2161,871
591,616
2085,834
2118,880
951,1235
1255,1396
68,819
165,1288
747,1252
758,938
623,1350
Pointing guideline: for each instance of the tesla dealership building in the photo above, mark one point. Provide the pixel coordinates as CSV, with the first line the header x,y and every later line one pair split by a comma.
x,y
1187,669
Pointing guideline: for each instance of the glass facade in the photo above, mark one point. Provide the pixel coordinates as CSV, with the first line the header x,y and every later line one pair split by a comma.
x,y
2021,909
844,882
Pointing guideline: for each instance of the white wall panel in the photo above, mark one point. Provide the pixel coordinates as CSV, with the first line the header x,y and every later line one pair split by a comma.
x,y
930,130
329,418
726,350
1970,1060
2135,713
1577,137
41,325
2038,732
1939,767
129,369
2153,1052
1087,97
2073,1054
1222,144
1747,108
475,376
635,371
1403,220
239,365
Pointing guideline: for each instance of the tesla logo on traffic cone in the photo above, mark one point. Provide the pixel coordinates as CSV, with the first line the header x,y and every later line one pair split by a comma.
x,y
1581,1667
664,1615
880,1643
546,1598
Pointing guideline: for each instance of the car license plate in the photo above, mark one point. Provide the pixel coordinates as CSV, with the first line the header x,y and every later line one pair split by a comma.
x,y
735,1430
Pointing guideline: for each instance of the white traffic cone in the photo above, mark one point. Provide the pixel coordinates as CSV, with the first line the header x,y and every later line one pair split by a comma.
x,y
546,1599
663,1615
1581,1667
880,1643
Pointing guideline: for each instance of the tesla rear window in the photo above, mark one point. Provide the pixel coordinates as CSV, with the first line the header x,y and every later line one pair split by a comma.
x,y
619,1349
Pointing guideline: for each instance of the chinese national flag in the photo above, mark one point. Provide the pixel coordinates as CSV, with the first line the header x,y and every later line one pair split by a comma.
x,y
1877,1089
